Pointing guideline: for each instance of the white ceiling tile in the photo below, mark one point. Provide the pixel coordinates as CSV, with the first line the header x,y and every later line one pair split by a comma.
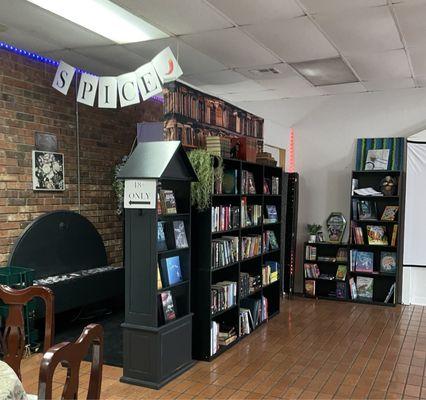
x,y
39,24
252,11
377,85
231,47
335,6
418,60
263,95
291,86
363,30
421,81
25,41
191,60
283,69
411,18
355,87
387,65
115,56
293,40
178,17
87,63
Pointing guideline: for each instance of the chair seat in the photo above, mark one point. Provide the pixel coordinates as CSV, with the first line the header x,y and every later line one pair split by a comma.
x,y
74,275
10,385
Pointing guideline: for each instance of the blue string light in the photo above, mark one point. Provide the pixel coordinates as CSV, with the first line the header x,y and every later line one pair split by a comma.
x,y
47,60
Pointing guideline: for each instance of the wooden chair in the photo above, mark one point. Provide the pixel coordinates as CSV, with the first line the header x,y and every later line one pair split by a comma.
x,y
70,355
13,341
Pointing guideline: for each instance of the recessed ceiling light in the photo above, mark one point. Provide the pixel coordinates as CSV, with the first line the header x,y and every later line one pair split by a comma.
x,y
104,18
328,71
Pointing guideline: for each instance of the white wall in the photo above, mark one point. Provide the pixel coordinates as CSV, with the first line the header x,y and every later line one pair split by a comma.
x,y
326,129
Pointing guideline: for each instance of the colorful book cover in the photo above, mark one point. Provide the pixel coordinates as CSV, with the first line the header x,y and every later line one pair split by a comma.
x,y
388,262
352,286
171,267
341,290
310,288
364,287
161,237
389,213
341,272
364,261
168,306
180,234
271,212
377,235
367,210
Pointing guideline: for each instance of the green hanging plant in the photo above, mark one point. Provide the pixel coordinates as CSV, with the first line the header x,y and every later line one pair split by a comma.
x,y
207,172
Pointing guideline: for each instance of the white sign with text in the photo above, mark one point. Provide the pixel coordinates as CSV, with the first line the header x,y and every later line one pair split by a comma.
x,y
140,193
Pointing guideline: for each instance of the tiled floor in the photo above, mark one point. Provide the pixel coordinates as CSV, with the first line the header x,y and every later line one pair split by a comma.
x,y
312,350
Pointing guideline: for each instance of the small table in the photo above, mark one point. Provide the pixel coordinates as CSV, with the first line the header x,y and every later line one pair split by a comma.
x,y
10,385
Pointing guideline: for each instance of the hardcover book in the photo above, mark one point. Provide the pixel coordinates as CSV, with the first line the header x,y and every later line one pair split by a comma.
x,y
171,270
364,261
364,287
271,212
229,181
367,210
168,306
168,202
377,235
161,237
352,287
341,290
341,272
388,262
310,288
389,213
180,235
394,235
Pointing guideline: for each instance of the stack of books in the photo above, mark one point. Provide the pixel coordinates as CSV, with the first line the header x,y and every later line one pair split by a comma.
x,y
251,246
225,250
227,335
223,296
311,271
219,146
225,218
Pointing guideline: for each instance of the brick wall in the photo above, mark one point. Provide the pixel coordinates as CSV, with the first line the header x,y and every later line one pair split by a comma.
x,y
29,104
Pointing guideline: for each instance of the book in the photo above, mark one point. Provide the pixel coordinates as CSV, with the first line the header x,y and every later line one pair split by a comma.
x,y
269,241
364,287
341,290
168,202
367,210
394,235
271,213
225,218
247,182
224,251
168,306
159,282
357,234
223,295
341,272
180,235
377,159
342,255
229,181
311,271
161,237
388,262
364,261
267,186
171,271
377,235
251,246
353,289
275,185
310,253
390,293
389,213
310,288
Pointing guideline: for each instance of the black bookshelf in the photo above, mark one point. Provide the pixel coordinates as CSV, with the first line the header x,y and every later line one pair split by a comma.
x,y
204,276
383,280
156,349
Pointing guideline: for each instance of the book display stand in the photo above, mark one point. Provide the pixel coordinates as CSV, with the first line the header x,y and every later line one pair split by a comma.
x,y
157,330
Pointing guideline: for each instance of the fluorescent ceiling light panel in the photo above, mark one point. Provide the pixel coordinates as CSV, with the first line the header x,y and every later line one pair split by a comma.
x,y
104,18
328,71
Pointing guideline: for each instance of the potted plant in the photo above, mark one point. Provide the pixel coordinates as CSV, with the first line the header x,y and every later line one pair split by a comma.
x,y
313,230
208,169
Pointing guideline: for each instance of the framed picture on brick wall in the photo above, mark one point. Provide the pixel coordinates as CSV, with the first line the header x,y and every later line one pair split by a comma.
x,y
48,171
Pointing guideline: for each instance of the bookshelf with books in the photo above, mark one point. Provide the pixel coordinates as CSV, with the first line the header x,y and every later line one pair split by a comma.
x,y
158,317
374,237
325,270
236,258
192,116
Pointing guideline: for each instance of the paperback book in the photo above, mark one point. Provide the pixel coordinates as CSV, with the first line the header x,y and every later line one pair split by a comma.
x,y
171,271
377,235
367,210
364,286
341,272
341,290
181,241
168,202
271,213
363,261
389,213
388,262
310,288
161,237
167,306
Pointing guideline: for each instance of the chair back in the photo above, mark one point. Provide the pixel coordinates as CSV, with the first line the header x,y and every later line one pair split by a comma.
x,y
70,355
13,341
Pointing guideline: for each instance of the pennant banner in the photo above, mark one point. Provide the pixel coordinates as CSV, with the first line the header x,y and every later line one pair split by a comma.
x,y
145,82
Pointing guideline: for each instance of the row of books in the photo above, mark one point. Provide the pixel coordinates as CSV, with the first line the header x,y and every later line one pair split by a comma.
x,y
312,271
171,235
258,308
251,214
219,146
249,284
376,235
166,202
225,251
271,185
363,261
221,335
247,182
367,210
223,296
209,110
251,246
360,288
311,255
270,272
225,218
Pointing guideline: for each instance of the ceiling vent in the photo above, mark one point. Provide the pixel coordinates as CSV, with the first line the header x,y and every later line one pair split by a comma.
x,y
264,71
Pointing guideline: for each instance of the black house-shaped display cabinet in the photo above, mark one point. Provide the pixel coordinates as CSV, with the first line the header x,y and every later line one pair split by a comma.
x,y
158,320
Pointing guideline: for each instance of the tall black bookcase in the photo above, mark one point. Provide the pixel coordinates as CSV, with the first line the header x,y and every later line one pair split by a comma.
x,y
382,280
204,276
154,350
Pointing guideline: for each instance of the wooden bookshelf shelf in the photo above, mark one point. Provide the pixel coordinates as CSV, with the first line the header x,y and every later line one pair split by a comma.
x,y
165,217
203,279
170,251
216,314
183,283
356,196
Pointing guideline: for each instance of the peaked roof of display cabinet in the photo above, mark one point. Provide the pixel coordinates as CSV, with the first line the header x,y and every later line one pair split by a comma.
x,y
418,137
158,160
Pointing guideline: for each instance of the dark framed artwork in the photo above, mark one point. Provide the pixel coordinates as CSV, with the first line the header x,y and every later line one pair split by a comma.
x,y
48,171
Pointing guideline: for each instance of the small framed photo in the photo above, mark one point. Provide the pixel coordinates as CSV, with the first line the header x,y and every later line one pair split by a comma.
x,y
48,171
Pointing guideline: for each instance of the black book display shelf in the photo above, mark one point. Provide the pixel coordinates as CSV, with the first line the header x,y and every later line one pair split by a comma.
x,y
236,257
157,331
